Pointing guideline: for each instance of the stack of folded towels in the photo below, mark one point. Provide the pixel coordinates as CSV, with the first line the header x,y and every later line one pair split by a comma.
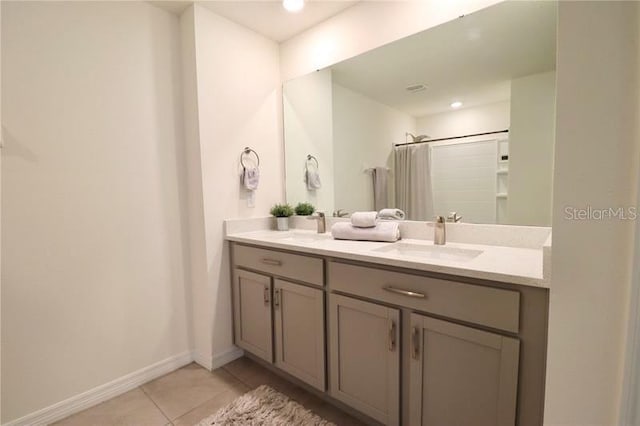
x,y
364,226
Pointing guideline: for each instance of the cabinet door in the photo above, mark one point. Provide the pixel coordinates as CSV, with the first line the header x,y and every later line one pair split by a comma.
x,y
252,313
461,376
299,327
365,359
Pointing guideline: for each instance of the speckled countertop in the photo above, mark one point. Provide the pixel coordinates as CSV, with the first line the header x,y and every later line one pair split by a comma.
x,y
516,265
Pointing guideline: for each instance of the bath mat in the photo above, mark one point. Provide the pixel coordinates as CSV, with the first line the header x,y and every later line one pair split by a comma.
x,y
263,406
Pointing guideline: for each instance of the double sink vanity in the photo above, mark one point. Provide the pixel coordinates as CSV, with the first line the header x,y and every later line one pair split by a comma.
x,y
400,333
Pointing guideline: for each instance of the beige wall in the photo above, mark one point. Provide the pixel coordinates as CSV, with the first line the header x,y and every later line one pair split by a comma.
x,y
531,144
363,133
596,159
466,121
94,280
308,130
365,26
199,308
239,104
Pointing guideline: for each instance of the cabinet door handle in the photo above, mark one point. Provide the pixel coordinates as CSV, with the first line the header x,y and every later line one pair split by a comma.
x,y
392,335
415,343
403,292
266,295
276,298
272,262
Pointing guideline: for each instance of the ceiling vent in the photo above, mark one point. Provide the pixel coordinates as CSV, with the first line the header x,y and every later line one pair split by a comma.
x,y
415,88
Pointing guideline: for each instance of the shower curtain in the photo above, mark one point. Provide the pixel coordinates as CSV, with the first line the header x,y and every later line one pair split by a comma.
x,y
413,189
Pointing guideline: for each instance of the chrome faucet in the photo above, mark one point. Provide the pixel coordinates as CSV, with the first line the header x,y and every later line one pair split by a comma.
x,y
340,213
439,232
453,217
321,222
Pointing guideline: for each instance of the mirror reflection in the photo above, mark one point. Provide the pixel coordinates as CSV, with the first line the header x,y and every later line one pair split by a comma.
x,y
458,118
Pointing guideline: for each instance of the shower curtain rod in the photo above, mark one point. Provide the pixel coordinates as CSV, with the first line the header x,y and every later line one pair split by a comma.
x,y
453,137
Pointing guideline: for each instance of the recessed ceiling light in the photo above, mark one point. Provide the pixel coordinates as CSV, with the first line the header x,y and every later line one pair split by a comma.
x,y
456,104
293,5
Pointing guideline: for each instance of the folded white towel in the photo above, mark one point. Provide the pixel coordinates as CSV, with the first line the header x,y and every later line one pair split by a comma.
x,y
251,178
364,219
383,231
312,178
394,214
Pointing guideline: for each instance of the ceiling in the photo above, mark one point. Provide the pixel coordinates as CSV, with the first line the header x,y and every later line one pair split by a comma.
x,y
471,59
267,17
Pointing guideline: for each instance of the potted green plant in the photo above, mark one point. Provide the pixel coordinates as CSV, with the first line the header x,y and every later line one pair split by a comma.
x,y
305,209
282,213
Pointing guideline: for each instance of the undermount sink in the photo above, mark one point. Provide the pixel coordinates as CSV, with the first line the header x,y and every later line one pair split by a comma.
x,y
430,252
301,237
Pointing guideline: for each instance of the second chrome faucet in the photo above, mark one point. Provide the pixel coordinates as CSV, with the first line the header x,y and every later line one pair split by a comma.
x,y
439,231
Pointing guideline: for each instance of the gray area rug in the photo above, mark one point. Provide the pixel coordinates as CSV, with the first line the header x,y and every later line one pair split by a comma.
x,y
263,406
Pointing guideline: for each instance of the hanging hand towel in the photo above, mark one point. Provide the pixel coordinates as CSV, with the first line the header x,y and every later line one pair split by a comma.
x,y
312,179
364,219
251,178
380,197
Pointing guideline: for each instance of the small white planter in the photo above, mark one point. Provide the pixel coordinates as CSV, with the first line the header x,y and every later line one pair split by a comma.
x,y
282,223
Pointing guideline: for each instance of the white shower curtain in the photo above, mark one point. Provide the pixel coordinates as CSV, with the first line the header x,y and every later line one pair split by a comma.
x,y
414,193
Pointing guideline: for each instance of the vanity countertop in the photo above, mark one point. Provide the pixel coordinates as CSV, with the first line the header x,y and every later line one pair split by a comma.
x,y
513,265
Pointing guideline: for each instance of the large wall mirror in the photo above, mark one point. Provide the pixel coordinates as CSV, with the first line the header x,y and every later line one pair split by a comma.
x,y
458,118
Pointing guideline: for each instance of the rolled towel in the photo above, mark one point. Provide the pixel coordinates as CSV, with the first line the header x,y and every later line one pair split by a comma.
x,y
364,219
383,231
393,214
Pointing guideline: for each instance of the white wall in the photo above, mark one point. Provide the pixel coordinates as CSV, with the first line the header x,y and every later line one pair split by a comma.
x,y
596,156
239,104
200,309
308,130
466,121
365,26
363,133
93,251
531,142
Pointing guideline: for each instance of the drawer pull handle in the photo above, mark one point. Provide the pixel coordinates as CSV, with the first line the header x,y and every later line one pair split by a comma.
x,y
276,298
272,262
415,343
392,336
404,292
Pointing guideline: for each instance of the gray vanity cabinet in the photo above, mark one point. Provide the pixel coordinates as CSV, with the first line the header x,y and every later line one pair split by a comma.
x,y
365,357
252,313
279,312
461,376
299,330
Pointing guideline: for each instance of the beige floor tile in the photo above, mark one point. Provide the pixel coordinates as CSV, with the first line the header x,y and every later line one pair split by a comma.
x,y
253,375
210,407
185,389
131,408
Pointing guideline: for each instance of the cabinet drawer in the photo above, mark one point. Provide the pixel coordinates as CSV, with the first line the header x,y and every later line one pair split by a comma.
x,y
294,266
491,307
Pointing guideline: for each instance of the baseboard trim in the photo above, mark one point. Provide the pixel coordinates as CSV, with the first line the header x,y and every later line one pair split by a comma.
x,y
202,360
104,392
226,357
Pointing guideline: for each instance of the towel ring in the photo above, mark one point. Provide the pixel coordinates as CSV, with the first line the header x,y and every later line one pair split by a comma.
x,y
248,151
312,158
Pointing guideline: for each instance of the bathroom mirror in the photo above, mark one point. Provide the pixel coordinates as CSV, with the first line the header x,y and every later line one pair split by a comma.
x,y
457,118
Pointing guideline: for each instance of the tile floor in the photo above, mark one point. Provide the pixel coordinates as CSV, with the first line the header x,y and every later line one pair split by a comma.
x,y
186,396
